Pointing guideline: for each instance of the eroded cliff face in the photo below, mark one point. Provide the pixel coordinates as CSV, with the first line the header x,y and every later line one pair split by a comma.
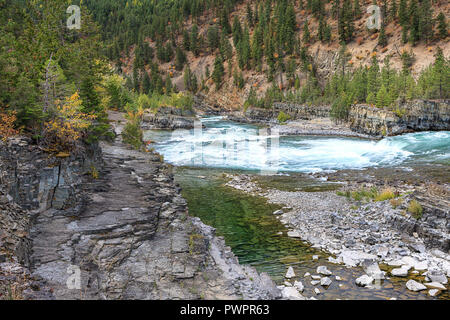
x,y
115,217
417,115
168,118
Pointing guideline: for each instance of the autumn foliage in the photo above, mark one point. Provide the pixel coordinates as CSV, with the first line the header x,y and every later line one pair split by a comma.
x,y
69,125
7,125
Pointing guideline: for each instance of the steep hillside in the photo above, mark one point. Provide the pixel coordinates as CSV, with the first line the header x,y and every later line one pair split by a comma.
x,y
259,45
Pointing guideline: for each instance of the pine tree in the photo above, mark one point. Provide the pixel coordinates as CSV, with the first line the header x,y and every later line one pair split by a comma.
x,y
382,39
382,97
426,21
441,75
306,35
180,59
373,77
414,32
335,9
442,26
393,10
403,13
194,41
356,9
218,72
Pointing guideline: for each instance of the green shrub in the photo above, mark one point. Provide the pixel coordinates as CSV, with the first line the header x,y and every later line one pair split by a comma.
x,y
415,209
132,133
283,117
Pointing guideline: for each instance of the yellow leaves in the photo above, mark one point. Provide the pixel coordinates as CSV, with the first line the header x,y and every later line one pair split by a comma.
x,y
68,125
7,125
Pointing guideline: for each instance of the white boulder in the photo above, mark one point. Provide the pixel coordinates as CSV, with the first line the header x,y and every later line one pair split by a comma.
x,y
299,285
323,270
325,281
290,273
364,280
291,293
414,285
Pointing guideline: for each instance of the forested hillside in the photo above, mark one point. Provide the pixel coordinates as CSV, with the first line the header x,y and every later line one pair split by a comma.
x,y
138,54
306,51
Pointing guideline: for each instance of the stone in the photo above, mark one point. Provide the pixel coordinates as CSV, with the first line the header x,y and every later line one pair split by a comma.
x,y
334,260
433,292
364,280
293,234
299,285
291,293
323,270
338,278
315,257
315,282
414,285
316,290
325,281
400,272
436,275
278,212
373,270
287,284
307,274
316,277
352,258
435,285
290,273
382,251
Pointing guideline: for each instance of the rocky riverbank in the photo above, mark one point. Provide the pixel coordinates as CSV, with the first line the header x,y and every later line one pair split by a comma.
x,y
109,225
381,237
364,121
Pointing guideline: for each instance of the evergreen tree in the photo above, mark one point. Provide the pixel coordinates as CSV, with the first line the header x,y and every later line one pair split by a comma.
x,y
403,13
306,35
218,72
442,26
426,21
393,10
180,59
356,10
382,39
382,97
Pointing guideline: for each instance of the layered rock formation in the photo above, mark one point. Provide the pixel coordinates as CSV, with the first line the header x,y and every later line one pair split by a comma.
x,y
418,115
112,225
168,118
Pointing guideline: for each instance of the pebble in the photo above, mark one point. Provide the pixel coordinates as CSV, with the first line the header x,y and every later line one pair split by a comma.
x,y
317,291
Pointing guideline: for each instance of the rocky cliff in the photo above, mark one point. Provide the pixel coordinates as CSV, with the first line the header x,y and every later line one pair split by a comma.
x,y
417,115
168,118
113,219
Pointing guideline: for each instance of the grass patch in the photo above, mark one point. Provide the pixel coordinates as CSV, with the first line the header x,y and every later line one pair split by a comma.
x,y
415,209
386,194
396,203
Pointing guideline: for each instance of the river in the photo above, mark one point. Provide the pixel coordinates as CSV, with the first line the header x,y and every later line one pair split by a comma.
x,y
202,155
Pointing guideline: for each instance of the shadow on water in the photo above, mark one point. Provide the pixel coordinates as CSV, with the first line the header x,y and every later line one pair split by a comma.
x,y
257,238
